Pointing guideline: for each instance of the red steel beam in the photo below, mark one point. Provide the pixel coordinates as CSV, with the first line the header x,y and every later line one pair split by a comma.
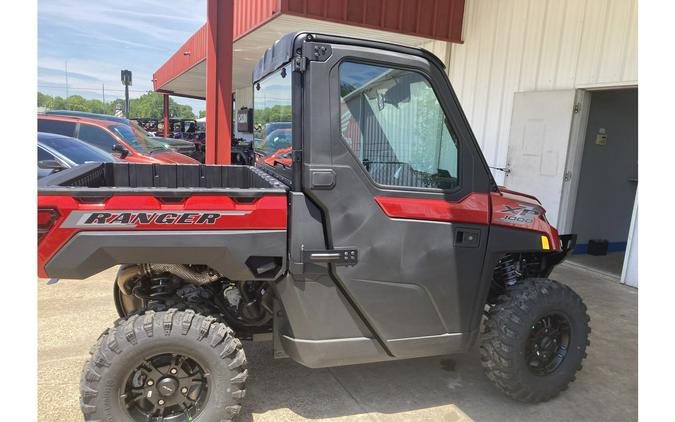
x,y
165,107
220,20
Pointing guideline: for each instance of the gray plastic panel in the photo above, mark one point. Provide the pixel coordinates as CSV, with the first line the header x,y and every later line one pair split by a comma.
x,y
408,306
315,309
442,344
334,352
357,350
88,253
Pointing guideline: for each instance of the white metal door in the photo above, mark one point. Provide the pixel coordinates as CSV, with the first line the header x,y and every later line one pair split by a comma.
x,y
629,274
538,144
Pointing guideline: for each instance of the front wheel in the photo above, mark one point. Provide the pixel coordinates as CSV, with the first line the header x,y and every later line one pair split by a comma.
x,y
534,340
169,366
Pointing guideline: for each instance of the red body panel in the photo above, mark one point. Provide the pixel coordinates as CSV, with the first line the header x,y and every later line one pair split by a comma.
x,y
474,208
505,208
170,157
267,212
520,211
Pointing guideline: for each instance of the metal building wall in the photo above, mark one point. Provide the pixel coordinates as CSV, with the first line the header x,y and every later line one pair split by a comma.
x,y
437,19
524,45
244,97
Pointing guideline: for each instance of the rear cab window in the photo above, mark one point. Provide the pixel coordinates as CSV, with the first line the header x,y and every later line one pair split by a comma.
x,y
272,127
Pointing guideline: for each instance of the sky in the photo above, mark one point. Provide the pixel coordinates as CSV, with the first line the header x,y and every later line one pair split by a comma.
x,y
98,38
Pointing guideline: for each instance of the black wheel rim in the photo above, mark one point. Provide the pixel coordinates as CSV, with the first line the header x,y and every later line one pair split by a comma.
x,y
166,387
548,344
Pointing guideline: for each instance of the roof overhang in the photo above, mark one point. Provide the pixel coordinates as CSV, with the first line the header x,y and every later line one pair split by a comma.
x,y
259,23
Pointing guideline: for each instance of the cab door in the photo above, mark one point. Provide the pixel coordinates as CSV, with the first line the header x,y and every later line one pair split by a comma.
x,y
390,160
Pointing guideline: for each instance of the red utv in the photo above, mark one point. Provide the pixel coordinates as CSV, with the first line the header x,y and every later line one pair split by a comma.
x,y
384,237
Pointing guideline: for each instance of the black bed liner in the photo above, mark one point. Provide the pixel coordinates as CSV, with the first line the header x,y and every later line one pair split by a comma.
x,y
166,180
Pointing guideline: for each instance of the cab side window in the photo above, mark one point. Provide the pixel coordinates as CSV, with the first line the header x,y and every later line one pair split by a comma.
x,y
392,121
95,136
58,127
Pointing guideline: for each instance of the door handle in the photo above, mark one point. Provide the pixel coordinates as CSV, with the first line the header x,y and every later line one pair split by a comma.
x,y
345,256
325,257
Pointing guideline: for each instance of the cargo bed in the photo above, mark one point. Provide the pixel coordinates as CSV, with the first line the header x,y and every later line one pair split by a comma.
x,y
98,215
166,180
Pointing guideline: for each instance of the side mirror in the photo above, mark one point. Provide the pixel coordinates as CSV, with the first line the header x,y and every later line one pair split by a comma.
x,y
51,165
121,149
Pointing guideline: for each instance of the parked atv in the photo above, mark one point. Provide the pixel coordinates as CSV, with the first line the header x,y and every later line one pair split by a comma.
x,y
381,235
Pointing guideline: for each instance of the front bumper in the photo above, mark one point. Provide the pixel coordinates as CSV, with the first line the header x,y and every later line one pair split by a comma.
x,y
567,244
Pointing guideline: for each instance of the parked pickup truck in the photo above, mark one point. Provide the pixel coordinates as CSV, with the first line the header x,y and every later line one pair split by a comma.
x,y
383,236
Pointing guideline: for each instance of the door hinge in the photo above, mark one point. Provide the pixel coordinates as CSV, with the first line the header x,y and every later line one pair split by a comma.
x,y
577,107
296,156
299,63
567,176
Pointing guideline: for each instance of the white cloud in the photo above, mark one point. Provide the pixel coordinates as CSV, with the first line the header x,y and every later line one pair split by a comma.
x,y
101,37
113,18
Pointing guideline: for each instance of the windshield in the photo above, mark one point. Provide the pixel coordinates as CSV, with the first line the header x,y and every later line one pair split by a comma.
x,y
76,151
138,138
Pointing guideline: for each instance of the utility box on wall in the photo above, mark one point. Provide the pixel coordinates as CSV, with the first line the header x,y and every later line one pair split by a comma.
x,y
245,120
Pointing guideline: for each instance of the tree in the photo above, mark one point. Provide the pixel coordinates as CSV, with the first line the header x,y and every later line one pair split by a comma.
x,y
202,113
148,105
44,100
58,103
77,103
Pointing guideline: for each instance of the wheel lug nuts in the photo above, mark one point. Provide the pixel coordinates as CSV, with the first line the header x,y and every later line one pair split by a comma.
x,y
184,390
174,371
161,402
150,382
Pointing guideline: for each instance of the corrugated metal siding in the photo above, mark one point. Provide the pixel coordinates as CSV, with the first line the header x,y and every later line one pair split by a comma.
x,y
248,15
180,62
437,19
244,97
440,49
524,45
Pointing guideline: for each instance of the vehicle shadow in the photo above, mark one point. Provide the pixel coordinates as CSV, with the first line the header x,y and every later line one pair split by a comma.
x,y
438,388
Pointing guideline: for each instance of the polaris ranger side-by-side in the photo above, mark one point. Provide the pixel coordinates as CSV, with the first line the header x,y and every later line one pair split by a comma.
x,y
382,236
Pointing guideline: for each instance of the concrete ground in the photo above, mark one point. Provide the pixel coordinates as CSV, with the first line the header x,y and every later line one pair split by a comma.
x,y
611,264
451,389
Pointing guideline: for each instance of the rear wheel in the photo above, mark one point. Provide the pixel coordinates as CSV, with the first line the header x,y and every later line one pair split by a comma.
x,y
534,339
169,366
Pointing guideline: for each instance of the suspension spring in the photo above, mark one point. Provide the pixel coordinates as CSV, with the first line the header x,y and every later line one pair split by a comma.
x,y
161,288
506,271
